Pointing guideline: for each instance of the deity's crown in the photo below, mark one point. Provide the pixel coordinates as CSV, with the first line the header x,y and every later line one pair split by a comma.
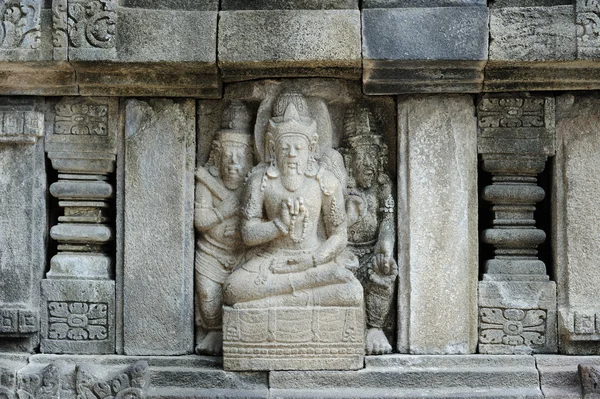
x,y
236,124
291,117
357,127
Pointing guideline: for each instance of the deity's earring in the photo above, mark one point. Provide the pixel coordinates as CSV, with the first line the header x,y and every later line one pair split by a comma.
x,y
272,170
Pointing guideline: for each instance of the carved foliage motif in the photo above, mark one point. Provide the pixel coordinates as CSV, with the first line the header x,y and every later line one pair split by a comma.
x,y
131,383
511,112
588,27
85,23
79,118
42,385
512,326
77,321
20,27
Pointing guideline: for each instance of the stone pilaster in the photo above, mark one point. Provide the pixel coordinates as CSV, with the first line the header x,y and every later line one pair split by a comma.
x,y
517,302
22,222
79,291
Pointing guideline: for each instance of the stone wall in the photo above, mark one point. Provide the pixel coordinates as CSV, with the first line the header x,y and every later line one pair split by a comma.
x,y
445,212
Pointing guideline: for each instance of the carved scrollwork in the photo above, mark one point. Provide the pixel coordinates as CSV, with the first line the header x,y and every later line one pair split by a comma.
x,y
130,383
85,23
44,384
20,27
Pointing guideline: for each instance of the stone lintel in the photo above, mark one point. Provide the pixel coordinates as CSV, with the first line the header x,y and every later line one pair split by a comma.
x,y
286,43
408,50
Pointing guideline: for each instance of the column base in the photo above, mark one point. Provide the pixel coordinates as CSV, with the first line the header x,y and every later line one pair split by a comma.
x,y
78,316
517,317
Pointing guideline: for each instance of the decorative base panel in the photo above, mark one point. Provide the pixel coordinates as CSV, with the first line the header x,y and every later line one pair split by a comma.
x,y
78,316
517,317
311,338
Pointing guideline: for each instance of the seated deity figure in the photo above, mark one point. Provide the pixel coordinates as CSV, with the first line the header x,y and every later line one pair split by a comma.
x,y
220,247
371,231
294,219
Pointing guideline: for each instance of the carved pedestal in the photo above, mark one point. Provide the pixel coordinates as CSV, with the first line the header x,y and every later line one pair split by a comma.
x,y
78,295
517,302
22,222
295,338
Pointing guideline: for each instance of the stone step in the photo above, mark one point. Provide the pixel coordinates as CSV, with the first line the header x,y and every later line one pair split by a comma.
x,y
442,393
205,393
420,372
559,377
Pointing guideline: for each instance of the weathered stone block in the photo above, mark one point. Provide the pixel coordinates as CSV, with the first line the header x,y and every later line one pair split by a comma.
x,y
170,36
159,52
78,316
289,4
254,44
23,219
159,239
532,34
420,3
437,204
576,243
409,50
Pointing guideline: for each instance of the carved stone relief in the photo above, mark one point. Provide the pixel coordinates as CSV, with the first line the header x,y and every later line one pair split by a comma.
x,y
304,300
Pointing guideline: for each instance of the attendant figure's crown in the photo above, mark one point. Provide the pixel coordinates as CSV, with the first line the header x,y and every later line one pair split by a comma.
x,y
357,128
291,117
236,124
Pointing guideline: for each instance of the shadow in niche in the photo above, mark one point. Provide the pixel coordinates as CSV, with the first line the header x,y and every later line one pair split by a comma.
x,y
54,211
543,218
486,216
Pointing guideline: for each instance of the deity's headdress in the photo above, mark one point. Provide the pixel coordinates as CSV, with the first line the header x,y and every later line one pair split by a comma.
x,y
291,116
236,124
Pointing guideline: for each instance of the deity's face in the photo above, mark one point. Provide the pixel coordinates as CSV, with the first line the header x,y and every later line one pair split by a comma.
x,y
364,166
292,153
236,162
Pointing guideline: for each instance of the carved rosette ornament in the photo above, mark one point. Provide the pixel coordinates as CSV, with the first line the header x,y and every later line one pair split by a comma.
x,y
78,290
515,137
